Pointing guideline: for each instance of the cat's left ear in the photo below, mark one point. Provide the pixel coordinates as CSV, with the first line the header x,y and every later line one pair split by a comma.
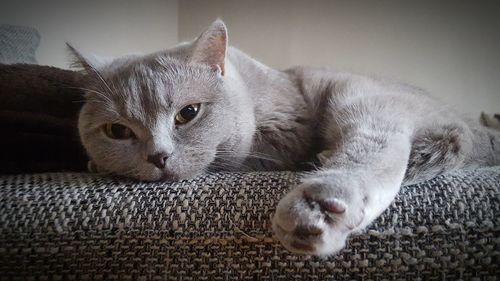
x,y
210,47
89,63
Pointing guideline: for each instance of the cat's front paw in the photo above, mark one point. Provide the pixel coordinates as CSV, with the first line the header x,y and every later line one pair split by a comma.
x,y
317,216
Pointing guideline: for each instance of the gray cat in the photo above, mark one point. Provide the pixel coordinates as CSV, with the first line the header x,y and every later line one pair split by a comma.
x,y
203,106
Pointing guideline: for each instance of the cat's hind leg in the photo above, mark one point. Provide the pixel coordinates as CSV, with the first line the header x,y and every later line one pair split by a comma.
x,y
437,150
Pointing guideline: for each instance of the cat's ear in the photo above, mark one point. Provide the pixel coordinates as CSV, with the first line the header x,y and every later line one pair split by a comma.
x,y
87,62
210,47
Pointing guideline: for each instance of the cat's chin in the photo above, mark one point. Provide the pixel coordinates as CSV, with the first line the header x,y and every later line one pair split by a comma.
x,y
152,178
152,175
166,176
155,176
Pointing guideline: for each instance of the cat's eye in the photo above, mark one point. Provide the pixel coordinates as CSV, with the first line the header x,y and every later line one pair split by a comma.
x,y
187,114
118,131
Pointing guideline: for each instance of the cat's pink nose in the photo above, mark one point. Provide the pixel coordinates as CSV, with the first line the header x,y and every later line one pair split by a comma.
x,y
158,159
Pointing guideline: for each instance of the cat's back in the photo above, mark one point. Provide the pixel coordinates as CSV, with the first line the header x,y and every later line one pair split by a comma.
x,y
316,81
322,85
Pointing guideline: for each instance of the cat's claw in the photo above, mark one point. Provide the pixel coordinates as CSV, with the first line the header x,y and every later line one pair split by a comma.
x,y
316,218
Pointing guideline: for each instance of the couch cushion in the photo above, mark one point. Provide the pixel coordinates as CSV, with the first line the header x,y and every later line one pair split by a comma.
x,y
70,226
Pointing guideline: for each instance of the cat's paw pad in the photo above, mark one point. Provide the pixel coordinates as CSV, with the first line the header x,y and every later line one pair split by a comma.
x,y
316,218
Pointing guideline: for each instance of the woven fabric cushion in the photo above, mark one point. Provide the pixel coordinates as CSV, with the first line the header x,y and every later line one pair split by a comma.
x,y
18,44
83,227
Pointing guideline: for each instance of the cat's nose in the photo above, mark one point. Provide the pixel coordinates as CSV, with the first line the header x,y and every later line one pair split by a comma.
x,y
158,159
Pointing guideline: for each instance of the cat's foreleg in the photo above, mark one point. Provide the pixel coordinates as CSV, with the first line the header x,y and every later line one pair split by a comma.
x,y
358,180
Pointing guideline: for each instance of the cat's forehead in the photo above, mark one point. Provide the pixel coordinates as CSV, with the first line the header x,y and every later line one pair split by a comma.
x,y
154,84
163,70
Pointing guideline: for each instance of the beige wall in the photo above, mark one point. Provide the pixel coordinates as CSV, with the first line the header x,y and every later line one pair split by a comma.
x,y
446,47
450,48
107,27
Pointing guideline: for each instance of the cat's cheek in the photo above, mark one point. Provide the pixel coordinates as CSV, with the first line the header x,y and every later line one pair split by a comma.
x,y
93,168
188,169
176,174
148,174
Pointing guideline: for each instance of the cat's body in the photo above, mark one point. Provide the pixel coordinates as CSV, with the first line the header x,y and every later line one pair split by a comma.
x,y
365,136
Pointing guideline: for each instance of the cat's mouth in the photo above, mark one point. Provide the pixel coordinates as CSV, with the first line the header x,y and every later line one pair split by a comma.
x,y
168,176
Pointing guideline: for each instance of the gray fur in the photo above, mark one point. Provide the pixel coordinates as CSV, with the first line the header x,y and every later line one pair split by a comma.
x,y
365,135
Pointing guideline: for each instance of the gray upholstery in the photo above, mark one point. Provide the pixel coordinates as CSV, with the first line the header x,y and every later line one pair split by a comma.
x,y
18,44
84,227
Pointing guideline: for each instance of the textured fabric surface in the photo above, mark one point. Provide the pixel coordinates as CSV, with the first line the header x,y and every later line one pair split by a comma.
x,y
18,44
83,227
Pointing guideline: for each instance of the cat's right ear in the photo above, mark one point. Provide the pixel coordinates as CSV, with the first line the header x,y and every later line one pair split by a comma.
x,y
89,63
210,47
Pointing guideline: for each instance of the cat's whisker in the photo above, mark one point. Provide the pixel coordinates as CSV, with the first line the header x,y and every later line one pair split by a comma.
x,y
81,101
210,173
115,89
133,172
102,79
249,155
98,93
101,98
230,165
88,90
91,101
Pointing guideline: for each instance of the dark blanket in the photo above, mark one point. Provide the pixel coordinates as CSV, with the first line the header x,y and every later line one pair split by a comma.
x,y
39,108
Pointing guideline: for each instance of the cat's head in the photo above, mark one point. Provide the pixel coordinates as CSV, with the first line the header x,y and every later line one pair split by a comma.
x,y
166,115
